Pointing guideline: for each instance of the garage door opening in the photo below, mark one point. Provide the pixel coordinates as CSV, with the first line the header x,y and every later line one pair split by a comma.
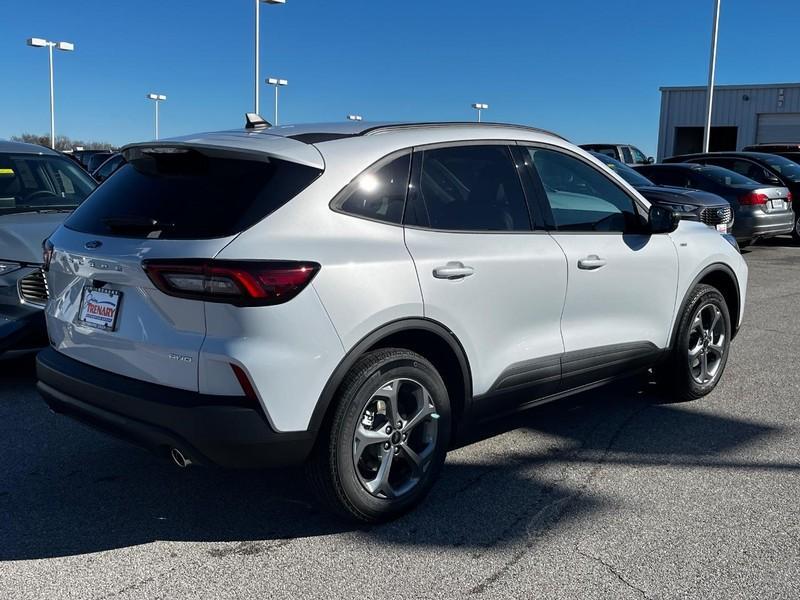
x,y
689,140
778,128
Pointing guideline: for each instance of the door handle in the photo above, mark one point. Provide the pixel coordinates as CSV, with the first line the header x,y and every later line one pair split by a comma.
x,y
453,270
591,262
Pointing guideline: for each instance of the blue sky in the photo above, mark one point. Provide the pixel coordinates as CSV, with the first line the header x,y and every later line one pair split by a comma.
x,y
589,69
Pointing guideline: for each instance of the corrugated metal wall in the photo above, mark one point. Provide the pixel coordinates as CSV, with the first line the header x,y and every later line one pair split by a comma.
x,y
685,107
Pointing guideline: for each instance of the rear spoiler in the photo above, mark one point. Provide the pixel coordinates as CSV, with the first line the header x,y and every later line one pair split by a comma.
x,y
253,144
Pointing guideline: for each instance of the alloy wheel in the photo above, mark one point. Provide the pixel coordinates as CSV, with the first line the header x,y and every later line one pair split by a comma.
x,y
707,337
395,438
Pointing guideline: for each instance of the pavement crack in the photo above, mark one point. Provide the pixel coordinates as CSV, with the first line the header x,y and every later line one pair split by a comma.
x,y
253,548
546,516
610,568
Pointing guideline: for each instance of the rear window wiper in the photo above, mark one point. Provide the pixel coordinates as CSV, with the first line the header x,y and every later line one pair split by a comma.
x,y
136,224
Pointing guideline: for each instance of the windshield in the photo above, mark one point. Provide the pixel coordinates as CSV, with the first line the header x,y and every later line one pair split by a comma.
x,y
784,166
623,170
34,182
725,177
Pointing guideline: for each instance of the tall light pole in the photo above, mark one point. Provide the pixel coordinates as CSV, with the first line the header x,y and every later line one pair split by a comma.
x,y
157,98
712,69
355,118
479,107
274,81
257,77
64,47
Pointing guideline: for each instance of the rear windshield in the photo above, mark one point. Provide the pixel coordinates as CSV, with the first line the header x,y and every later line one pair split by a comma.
x,y
726,177
183,194
41,182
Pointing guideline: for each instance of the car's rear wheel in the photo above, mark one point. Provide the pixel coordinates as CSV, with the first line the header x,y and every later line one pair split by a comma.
x,y
796,230
386,442
700,352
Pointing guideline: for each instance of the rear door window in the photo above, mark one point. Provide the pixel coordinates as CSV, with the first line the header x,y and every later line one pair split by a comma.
x,y
468,188
627,157
185,194
747,168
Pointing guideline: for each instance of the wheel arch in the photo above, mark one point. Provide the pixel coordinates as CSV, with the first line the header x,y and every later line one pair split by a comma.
x,y
428,338
721,277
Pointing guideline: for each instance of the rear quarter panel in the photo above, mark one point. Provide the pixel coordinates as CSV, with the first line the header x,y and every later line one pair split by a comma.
x,y
367,279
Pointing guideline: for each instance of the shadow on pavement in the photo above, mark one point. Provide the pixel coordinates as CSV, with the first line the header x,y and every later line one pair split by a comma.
x,y
66,490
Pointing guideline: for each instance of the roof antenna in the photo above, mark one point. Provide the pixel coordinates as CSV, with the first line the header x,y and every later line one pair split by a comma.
x,y
255,121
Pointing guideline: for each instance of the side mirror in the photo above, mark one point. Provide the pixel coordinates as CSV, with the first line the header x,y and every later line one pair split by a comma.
x,y
650,160
662,219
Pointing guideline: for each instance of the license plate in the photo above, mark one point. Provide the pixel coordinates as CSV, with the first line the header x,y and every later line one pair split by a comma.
x,y
99,308
777,204
722,227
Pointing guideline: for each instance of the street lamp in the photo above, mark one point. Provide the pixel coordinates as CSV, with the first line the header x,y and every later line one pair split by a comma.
x,y
64,47
157,98
355,118
257,77
277,83
479,107
712,68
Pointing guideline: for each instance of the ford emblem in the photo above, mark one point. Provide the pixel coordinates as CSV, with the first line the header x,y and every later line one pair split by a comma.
x,y
93,245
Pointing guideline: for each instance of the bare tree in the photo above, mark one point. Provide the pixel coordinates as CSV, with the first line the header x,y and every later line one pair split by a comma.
x,y
62,142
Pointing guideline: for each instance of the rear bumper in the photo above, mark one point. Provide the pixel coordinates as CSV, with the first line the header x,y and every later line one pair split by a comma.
x,y
227,431
759,224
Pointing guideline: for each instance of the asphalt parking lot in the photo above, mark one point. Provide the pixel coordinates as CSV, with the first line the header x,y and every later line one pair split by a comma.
x,y
606,495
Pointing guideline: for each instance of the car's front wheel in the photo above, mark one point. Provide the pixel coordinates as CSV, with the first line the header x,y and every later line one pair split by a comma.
x,y
387,439
700,352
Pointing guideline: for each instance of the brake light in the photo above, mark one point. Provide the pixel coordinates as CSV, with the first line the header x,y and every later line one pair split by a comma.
x,y
789,197
241,283
753,199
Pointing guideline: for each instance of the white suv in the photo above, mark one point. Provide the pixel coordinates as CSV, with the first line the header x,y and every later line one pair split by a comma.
x,y
352,295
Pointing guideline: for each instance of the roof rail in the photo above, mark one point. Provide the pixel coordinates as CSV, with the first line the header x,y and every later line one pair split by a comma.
x,y
400,126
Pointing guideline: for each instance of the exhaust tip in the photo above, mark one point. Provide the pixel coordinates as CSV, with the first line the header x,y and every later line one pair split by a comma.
x,y
179,459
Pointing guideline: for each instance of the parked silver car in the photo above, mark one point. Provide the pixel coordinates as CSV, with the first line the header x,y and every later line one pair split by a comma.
x,y
38,188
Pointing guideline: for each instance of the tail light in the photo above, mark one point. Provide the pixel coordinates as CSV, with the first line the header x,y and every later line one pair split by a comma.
x,y
241,283
789,197
753,199
47,254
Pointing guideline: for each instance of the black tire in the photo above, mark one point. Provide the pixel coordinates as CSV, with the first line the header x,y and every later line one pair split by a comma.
x,y
333,471
677,378
796,230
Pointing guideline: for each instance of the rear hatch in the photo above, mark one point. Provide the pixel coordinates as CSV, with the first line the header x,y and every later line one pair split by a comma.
x,y
171,201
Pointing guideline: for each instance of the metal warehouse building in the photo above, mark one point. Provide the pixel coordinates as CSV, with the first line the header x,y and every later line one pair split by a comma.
x,y
742,115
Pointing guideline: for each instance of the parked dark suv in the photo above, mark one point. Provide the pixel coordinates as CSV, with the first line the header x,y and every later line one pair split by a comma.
x,y
767,169
790,151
